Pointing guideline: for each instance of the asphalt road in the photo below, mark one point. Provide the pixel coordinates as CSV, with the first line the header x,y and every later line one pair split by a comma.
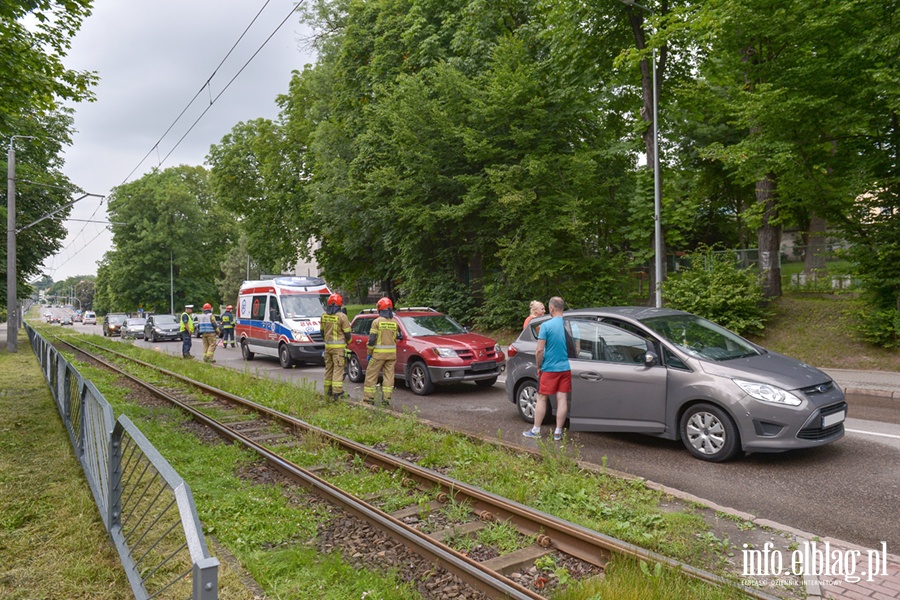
x,y
849,490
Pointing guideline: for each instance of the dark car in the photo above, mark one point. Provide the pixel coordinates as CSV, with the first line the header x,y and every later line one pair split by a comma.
x,y
67,320
434,350
678,376
161,328
112,324
133,328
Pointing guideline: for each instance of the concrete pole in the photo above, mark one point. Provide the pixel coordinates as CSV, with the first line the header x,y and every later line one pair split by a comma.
x,y
657,194
12,332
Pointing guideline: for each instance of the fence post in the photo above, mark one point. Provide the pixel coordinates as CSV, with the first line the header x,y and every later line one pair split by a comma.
x,y
206,579
114,503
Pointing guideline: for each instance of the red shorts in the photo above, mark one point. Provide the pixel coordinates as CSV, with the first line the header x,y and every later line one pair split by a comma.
x,y
552,382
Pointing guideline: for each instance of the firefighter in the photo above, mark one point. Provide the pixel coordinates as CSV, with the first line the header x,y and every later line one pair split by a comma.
x,y
382,349
186,329
209,328
228,326
336,333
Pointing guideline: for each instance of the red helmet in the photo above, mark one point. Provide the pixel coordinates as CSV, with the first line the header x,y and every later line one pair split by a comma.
x,y
229,307
207,306
335,300
384,304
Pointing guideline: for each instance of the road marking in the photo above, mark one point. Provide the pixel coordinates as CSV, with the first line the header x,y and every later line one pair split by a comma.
x,y
887,435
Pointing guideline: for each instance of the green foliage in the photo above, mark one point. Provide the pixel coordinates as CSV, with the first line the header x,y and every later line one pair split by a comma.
x,y
169,229
716,288
879,326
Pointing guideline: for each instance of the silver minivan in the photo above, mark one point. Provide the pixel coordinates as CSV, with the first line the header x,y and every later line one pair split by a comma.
x,y
675,375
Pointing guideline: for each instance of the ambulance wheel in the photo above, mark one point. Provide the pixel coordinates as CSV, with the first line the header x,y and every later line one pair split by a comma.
x,y
354,369
284,356
245,350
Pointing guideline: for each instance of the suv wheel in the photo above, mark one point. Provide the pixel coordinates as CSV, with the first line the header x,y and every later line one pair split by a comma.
x,y
354,369
419,381
526,399
284,356
245,350
709,433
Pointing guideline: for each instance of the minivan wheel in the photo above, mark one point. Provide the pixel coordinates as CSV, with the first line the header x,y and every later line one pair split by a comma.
x,y
284,356
419,381
245,350
354,369
708,433
526,399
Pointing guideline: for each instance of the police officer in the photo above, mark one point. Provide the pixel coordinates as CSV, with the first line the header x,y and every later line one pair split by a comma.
x,y
228,326
336,333
209,332
186,329
382,356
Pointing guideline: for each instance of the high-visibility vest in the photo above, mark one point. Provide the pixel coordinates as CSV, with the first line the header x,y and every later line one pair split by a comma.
x,y
206,323
333,329
186,323
385,332
227,320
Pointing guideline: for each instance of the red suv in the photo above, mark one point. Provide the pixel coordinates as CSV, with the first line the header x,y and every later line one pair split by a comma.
x,y
434,350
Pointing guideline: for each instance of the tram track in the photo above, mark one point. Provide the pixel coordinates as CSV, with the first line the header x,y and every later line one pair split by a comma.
x,y
272,434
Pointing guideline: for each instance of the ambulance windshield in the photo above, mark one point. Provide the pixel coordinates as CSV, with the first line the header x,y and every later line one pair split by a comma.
x,y
303,306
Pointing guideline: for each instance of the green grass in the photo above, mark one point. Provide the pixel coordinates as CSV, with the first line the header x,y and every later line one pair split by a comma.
x,y
818,331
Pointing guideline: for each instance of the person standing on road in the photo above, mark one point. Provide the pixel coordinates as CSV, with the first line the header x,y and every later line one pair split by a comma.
x,y
537,310
382,356
209,329
554,373
186,329
228,326
336,333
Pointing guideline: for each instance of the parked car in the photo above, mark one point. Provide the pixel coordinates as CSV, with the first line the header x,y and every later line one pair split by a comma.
x,y
161,327
90,318
133,328
112,324
434,350
678,376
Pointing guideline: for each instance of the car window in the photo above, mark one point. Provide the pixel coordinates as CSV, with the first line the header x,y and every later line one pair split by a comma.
x,y
701,338
116,319
431,325
274,313
164,319
604,343
362,326
258,308
135,322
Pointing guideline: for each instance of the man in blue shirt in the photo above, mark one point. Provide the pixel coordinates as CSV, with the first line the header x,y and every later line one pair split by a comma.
x,y
554,374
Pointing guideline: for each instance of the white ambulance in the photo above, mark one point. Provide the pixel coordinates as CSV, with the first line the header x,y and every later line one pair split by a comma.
x,y
281,317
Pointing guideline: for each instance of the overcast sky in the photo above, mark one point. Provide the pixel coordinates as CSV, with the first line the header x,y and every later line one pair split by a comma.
x,y
152,56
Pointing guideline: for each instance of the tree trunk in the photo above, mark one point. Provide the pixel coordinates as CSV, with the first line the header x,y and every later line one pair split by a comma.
x,y
814,259
769,237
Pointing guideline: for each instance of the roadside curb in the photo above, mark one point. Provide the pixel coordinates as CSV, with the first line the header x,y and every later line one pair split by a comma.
x,y
879,393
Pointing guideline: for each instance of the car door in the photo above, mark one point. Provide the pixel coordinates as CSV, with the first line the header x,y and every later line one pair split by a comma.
x,y
612,387
359,338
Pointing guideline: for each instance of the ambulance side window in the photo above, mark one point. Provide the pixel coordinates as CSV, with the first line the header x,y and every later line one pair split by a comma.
x,y
258,308
274,313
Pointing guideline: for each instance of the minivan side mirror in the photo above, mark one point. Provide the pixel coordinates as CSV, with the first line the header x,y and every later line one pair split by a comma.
x,y
650,359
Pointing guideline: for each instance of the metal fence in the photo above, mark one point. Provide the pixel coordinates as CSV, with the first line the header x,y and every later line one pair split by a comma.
x,y
145,505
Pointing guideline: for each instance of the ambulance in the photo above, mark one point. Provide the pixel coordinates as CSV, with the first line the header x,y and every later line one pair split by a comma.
x,y
281,317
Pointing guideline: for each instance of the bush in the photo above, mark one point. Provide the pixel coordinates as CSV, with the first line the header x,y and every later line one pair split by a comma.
x,y
879,326
716,288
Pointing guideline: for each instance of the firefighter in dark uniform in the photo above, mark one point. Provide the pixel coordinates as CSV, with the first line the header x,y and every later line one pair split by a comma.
x,y
186,329
336,333
228,326
382,356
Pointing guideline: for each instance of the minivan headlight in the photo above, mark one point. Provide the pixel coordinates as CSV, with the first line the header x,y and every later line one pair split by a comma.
x,y
768,393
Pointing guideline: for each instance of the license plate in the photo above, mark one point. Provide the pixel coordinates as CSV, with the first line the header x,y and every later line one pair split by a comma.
x,y
483,366
829,420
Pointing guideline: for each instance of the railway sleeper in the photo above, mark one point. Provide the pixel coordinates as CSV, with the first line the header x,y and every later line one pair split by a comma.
x,y
518,560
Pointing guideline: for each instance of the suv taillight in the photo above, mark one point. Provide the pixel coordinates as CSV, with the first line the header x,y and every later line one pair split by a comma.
x,y
511,351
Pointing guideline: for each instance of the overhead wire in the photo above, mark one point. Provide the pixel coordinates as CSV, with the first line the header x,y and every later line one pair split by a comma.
x,y
206,85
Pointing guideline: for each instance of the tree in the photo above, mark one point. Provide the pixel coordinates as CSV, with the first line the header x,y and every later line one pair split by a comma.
x,y
169,231
33,79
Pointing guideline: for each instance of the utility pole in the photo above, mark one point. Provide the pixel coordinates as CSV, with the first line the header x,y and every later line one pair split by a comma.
x,y
12,303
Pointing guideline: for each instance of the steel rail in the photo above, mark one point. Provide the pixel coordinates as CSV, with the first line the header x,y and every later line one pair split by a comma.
x,y
588,545
481,578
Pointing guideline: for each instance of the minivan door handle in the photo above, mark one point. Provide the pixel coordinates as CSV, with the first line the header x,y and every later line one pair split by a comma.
x,y
590,376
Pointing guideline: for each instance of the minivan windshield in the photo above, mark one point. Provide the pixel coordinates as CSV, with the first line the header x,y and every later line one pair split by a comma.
x,y
431,325
701,338
164,319
300,306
